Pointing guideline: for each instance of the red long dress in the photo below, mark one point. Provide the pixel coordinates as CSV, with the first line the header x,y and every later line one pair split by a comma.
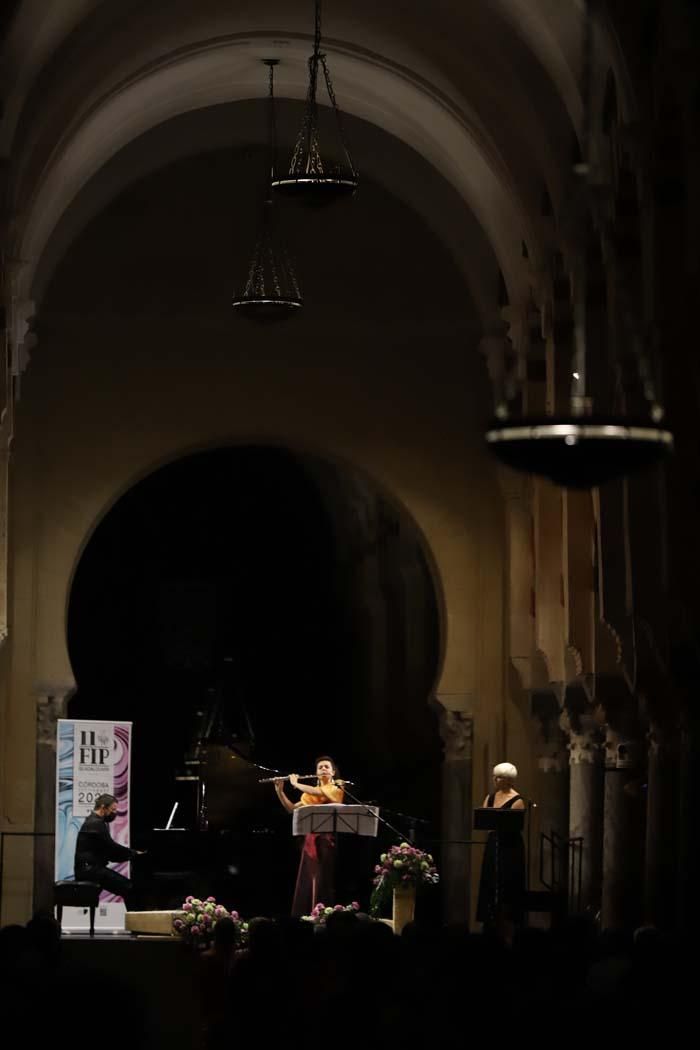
x,y
315,877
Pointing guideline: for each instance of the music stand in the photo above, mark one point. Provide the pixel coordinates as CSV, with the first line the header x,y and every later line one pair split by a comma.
x,y
502,822
332,817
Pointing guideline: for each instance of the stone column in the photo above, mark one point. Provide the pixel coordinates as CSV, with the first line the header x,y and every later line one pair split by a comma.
x,y
662,827
51,705
551,791
586,774
623,837
457,732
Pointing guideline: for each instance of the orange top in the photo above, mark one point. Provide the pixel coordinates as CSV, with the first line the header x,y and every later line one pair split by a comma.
x,y
333,793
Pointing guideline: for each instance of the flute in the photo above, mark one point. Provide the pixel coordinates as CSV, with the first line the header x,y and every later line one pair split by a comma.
x,y
307,776
271,780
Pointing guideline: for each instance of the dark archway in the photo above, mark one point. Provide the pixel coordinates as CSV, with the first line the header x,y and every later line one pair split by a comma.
x,y
269,590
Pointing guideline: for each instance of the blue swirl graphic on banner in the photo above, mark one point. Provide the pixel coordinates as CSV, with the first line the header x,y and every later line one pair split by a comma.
x,y
67,826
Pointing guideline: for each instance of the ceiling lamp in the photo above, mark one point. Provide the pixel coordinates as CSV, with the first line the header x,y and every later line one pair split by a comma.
x,y
609,422
312,177
271,291
578,452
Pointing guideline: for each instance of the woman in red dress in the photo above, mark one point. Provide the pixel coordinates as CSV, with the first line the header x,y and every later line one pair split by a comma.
x,y
315,877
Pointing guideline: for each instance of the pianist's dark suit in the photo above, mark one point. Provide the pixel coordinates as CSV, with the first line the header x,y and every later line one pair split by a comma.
x,y
94,849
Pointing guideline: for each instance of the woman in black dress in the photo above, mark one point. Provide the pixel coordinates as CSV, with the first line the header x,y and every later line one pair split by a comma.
x,y
502,886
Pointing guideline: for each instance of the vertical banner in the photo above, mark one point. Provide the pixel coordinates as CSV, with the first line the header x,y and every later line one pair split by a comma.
x,y
92,759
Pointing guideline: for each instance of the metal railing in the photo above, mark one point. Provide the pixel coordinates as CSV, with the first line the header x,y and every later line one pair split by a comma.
x,y
565,866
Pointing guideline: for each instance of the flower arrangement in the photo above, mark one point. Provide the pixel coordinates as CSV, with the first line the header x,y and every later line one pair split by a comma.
x,y
321,912
197,919
402,867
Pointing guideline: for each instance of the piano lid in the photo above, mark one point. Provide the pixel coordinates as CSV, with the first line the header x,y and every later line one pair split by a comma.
x,y
217,786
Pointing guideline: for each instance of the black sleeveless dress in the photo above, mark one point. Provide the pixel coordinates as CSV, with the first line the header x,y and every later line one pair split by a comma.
x,y
502,897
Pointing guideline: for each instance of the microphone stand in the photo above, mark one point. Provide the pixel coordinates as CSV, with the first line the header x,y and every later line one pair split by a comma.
x,y
400,836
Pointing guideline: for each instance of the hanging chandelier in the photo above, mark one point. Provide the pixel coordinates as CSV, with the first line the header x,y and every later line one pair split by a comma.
x,y
271,290
577,453
606,422
312,177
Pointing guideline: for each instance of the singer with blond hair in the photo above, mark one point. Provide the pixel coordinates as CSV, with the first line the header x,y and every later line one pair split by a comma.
x,y
316,874
502,886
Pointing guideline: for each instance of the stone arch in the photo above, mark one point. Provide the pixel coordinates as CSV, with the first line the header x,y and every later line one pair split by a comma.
x,y
318,459
457,608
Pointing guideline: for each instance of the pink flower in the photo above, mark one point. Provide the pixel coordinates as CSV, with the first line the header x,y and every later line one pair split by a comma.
x,y
234,916
196,931
189,899
187,906
339,907
211,900
356,905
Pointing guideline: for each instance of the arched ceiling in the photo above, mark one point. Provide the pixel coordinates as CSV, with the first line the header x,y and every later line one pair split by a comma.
x,y
486,93
243,124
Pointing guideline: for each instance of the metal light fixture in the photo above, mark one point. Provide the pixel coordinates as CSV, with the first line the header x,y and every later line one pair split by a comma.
x,y
578,453
313,178
608,429
271,290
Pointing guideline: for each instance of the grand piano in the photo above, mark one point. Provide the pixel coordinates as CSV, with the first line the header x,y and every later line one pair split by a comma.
x,y
227,830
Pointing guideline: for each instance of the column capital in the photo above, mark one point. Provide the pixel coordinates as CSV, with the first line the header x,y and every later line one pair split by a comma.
x,y
618,706
51,704
457,732
584,736
621,751
546,710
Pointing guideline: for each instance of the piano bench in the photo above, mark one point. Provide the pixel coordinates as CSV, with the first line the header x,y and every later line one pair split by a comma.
x,y
74,893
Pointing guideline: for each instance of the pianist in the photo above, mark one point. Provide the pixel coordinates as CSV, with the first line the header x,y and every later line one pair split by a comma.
x,y
315,877
95,847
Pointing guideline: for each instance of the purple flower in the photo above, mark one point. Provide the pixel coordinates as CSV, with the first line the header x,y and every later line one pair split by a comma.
x,y
195,931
